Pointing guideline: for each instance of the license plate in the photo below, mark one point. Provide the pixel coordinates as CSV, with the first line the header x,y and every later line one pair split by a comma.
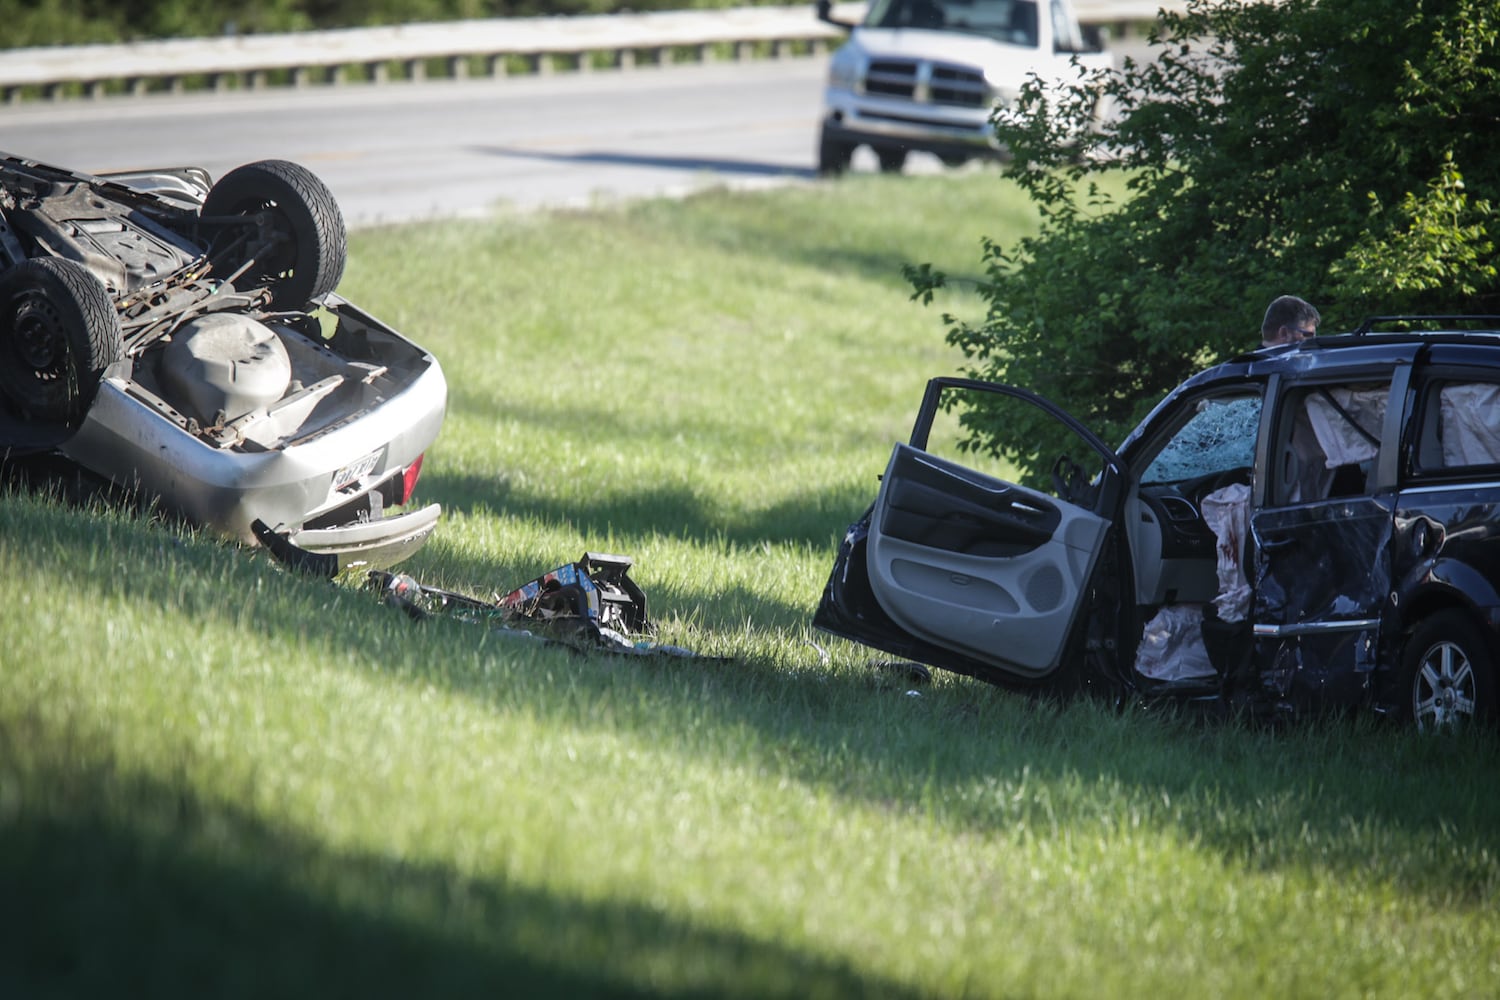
x,y
355,471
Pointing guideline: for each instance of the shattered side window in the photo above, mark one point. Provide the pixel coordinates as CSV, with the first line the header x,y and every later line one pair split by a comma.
x,y
1218,434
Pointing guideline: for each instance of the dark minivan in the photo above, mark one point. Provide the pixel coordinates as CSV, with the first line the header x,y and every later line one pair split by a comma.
x,y
1299,528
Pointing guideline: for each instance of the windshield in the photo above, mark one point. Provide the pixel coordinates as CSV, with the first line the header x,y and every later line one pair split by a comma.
x,y
1216,435
1012,21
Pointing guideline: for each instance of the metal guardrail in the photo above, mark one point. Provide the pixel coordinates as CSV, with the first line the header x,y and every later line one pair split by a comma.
x,y
489,48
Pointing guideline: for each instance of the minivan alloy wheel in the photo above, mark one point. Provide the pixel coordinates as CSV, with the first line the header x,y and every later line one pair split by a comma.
x,y
1443,692
1449,677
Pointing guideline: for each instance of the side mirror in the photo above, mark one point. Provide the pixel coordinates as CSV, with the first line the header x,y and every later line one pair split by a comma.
x,y
825,14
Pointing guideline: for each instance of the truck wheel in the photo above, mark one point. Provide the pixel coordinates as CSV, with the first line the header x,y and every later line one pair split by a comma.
x,y
59,330
891,160
833,155
299,249
1447,673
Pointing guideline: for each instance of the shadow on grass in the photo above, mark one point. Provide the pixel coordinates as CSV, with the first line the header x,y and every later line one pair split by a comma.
x,y
981,758
117,885
625,524
673,510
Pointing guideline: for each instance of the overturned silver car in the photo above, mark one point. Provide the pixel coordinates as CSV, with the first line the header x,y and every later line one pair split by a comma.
x,y
182,338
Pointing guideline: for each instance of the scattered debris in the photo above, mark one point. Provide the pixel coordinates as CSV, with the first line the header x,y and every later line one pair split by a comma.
x,y
588,605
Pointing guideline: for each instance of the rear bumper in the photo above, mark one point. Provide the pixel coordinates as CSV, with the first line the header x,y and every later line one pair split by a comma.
x,y
375,543
370,544
229,489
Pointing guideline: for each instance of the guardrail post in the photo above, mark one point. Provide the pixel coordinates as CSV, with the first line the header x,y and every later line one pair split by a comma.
x,y
458,67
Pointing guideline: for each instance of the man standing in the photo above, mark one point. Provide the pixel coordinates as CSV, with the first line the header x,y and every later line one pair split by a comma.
x,y
1288,320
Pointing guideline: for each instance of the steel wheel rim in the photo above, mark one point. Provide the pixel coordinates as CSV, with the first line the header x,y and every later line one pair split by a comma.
x,y
40,342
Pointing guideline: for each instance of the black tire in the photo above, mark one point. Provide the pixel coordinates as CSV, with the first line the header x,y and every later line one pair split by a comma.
x,y
892,160
310,243
1447,673
834,155
59,330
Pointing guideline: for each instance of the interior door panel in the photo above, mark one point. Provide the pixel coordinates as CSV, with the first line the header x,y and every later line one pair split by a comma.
x,y
930,505
977,564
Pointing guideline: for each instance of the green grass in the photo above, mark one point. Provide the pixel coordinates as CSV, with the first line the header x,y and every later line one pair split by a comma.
x,y
220,779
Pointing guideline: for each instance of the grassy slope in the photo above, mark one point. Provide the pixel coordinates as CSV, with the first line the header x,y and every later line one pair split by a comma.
x,y
219,779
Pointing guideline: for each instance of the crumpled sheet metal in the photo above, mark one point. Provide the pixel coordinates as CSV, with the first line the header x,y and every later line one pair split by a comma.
x,y
1334,568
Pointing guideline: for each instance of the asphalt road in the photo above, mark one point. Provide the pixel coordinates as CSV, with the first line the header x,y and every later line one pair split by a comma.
x,y
449,148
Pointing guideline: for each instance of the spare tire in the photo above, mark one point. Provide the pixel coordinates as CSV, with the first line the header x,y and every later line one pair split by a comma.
x,y
59,330
308,242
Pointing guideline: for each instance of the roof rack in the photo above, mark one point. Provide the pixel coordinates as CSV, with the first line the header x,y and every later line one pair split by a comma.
x,y
1367,325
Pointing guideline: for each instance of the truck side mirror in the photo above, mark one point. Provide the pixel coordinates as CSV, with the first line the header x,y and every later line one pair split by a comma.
x,y
825,14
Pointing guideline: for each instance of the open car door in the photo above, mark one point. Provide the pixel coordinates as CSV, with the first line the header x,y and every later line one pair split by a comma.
x,y
960,568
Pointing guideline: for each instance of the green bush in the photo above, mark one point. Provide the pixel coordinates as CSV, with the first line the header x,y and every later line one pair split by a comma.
x,y
1334,149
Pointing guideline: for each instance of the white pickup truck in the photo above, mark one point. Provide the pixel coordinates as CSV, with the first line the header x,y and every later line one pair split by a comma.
x,y
927,75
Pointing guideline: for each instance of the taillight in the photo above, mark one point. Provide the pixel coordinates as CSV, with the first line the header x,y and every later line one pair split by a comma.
x,y
409,479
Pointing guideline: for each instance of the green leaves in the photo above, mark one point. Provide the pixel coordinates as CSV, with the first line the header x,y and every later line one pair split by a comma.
x,y
1432,244
1340,150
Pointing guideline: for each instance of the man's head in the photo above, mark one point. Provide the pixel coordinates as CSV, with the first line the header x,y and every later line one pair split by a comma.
x,y
1288,320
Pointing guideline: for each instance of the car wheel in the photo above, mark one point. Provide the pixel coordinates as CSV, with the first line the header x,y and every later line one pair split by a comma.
x,y
891,160
834,155
298,254
953,160
1448,674
59,330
